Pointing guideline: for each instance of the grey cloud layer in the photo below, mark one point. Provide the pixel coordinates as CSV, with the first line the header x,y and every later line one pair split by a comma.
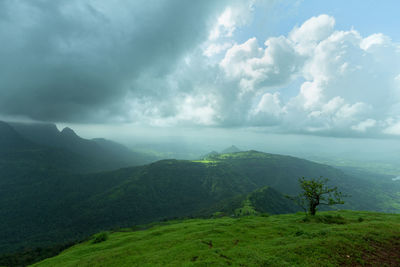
x,y
78,60
176,63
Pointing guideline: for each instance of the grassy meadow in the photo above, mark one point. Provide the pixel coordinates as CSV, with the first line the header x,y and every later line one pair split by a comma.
x,y
329,239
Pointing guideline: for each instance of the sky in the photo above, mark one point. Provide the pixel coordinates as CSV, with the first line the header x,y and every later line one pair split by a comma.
x,y
124,68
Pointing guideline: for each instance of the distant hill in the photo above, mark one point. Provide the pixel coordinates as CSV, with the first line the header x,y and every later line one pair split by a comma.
x,y
20,156
231,149
62,206
345,238
11,140
40,133
261,201
210,154
268,200
108,154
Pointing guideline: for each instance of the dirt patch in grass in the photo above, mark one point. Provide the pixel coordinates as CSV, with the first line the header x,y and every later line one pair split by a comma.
x,y
382,254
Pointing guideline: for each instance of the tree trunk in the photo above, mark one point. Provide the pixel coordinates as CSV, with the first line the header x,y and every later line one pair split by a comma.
x,y
313,209
313,205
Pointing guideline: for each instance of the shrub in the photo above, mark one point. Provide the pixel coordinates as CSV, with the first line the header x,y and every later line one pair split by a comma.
x,y
218,214
299,233
100,237
328,219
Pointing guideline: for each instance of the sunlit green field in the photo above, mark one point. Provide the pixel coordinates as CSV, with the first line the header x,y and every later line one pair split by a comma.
x,y
331,239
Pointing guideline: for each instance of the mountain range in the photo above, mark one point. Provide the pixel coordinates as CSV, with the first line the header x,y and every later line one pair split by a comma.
x,y
98,154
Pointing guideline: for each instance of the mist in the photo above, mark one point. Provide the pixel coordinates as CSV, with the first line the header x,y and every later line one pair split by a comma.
x,y
196,142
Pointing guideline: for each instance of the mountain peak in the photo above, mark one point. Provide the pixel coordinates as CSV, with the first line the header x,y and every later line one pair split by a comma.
x,y
50,127
210,154
68,132
231,149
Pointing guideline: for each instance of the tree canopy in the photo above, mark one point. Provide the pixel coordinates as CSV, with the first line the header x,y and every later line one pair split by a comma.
x,y
316,192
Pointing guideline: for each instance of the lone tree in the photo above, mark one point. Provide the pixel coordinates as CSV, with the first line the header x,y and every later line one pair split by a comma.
x,y
316,192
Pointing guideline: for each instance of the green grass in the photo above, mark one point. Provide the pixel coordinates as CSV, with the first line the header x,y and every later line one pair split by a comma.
x,y
330,239
206,161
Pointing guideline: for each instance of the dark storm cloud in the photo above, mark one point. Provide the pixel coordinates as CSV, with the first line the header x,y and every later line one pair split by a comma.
x,y
77,60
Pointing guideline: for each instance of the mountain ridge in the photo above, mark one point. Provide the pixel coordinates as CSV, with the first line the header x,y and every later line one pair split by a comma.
x,y
110,156
231,149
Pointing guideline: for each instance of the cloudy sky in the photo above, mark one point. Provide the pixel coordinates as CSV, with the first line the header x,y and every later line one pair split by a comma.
x,y
318,68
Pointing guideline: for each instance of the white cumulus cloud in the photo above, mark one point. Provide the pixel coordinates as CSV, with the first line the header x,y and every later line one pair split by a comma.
x,y
350,81
315,80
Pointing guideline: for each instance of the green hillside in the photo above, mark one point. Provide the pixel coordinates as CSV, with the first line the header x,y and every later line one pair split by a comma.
x,y
368,191
265,200
42,206
344,238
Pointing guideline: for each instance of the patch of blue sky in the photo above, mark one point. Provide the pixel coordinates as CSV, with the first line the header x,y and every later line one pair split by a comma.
x,y
279,18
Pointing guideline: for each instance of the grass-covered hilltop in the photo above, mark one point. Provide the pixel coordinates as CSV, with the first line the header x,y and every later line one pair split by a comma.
x,y
335,238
